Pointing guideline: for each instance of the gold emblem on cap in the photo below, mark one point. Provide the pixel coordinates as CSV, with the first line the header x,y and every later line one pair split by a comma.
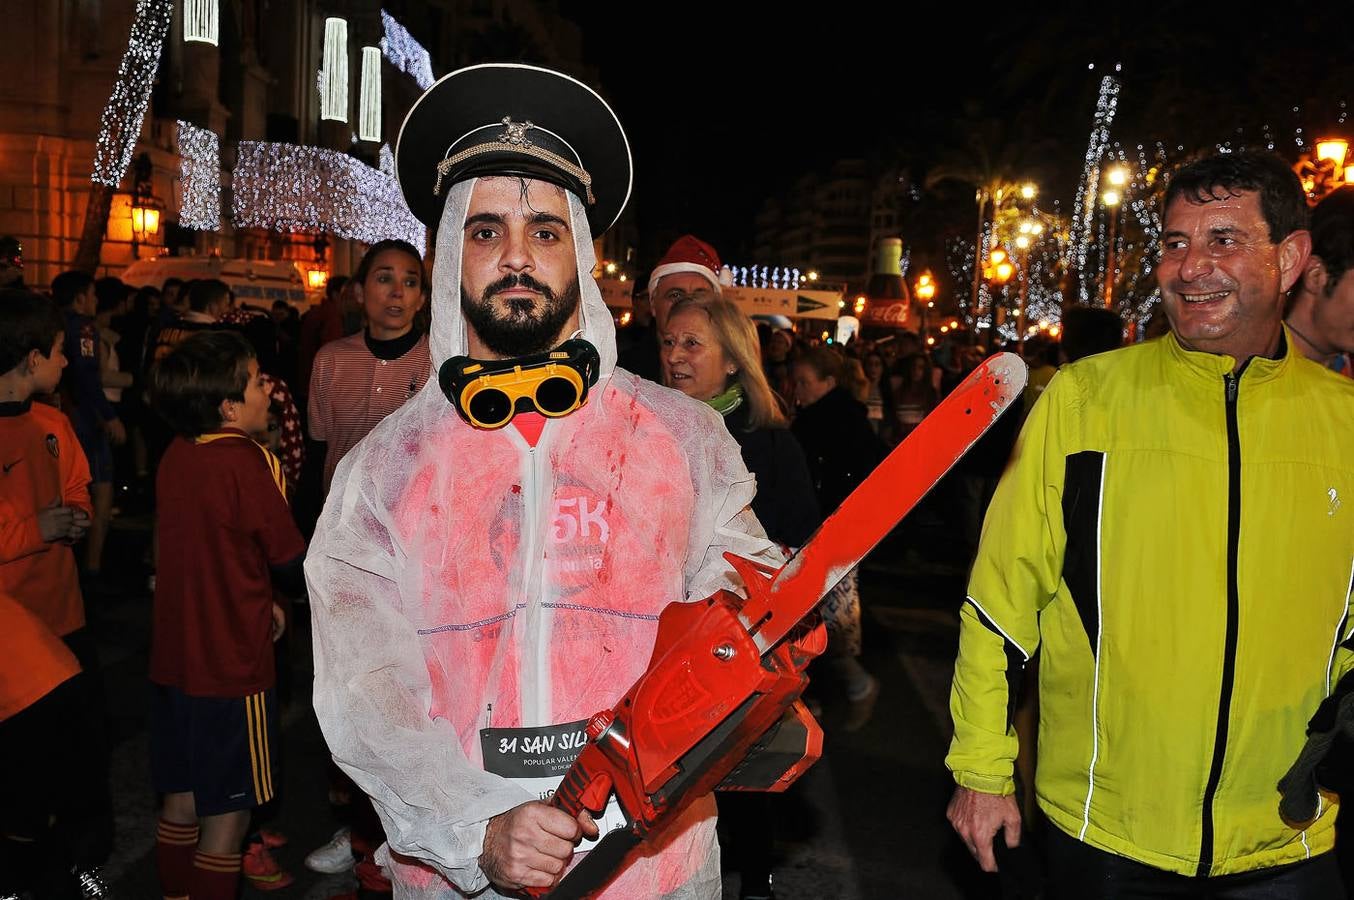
x,y
515,137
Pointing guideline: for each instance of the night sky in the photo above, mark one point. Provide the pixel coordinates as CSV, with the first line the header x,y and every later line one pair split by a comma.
x,y
724,107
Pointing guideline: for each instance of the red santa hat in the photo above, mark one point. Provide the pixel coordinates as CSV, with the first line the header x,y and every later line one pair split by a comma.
x,y
688,254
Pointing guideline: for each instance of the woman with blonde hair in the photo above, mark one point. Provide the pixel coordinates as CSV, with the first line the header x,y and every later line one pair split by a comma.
x,y
709,351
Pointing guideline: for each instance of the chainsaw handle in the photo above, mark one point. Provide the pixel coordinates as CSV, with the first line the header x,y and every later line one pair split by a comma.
x,y
585,785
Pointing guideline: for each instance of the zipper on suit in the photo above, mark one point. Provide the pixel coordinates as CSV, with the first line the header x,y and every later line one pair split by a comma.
x,y
1231,382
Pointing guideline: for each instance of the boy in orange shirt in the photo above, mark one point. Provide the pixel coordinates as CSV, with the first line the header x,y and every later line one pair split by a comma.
x,y
44,479
44,508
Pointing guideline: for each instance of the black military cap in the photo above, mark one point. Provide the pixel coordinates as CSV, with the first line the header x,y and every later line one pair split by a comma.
x,y
514,119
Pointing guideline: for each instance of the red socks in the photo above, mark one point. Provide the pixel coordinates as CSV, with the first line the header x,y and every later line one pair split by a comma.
x,y
175,845
216,876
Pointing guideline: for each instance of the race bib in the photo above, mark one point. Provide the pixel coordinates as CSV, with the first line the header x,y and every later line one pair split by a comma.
x,y
537,758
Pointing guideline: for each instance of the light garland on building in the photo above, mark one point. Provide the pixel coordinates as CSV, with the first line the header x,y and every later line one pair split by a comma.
x,y
369,102
285,187
200,177
405,53
201,21
333,80
120,125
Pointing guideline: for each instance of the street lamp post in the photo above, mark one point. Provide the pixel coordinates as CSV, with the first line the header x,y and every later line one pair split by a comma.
x,y
1117,177
999,193
925,291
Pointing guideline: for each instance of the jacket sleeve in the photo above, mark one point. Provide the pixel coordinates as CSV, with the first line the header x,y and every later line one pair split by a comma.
x,y
1015,575
317,408
372,692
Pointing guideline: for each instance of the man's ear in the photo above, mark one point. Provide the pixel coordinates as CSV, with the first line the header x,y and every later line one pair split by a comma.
x,y
230,410
1293,253
1315,276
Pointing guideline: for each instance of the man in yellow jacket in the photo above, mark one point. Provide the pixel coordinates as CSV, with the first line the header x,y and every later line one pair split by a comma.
x,y
1175,537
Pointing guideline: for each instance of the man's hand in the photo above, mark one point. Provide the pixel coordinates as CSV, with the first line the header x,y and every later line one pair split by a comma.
x,y
279,621
977,817
59,522
79,525
54,522
117,432
530,845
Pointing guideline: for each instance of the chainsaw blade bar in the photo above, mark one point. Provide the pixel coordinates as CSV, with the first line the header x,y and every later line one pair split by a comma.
x,y
886,495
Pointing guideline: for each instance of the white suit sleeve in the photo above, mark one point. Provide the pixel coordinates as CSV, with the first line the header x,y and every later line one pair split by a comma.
x,y
734,526
373,694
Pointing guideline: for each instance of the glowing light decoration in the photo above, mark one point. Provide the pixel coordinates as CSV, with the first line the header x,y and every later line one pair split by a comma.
x,y
405,53
333,81
201,21
369,106
120,124
286,187
200,176
781,278
1083,216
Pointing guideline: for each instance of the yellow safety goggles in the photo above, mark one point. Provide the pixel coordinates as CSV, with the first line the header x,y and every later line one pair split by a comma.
x,y
488,393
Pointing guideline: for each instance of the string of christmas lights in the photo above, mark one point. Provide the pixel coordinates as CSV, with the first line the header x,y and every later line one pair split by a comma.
x,y
286,187
369,104
405,53
201,21
333,78
781,278
120,125
200,177
1088,192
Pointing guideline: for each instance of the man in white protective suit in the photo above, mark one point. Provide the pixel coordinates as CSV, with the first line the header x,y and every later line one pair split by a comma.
x,y
489,569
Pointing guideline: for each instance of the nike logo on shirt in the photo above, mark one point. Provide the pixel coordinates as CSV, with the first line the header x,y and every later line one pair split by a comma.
x,y
9,466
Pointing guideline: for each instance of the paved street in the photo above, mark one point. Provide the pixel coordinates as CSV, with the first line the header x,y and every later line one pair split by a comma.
x,y
866,822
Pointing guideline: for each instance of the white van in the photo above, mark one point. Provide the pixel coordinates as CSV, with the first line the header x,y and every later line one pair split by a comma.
x,y
256,282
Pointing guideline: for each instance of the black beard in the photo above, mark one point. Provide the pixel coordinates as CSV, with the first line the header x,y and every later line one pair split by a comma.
x,y
527,327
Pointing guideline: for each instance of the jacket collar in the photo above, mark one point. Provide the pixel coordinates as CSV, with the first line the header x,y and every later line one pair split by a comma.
x,y
1215,366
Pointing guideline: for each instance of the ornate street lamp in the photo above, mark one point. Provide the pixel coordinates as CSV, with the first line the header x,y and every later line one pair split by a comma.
x,y
1324,170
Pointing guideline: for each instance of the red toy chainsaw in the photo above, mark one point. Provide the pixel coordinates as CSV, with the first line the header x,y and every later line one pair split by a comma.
x,y
718,707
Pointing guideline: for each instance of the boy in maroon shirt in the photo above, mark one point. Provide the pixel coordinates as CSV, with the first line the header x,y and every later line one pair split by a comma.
x,y
226,537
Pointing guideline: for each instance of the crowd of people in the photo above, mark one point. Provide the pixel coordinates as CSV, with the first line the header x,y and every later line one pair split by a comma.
x,y
470,581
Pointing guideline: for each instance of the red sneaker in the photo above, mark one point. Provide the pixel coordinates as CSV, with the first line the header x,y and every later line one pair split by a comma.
x,y
262,870
272,839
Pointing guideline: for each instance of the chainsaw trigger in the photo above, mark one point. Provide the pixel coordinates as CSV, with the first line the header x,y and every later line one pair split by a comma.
x,y
594,797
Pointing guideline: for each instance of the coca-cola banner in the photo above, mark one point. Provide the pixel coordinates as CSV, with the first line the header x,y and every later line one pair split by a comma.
x,y
894,315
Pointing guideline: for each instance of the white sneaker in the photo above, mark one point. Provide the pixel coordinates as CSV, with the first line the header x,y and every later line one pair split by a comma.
x,y
334,857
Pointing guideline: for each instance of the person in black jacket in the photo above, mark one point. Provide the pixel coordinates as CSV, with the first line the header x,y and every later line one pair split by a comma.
x,y
842,449
709,351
